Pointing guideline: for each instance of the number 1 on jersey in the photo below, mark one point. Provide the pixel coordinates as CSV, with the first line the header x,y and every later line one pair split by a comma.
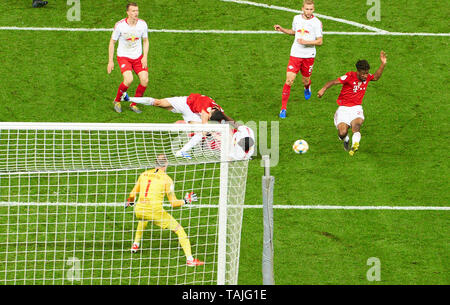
x,y
146,189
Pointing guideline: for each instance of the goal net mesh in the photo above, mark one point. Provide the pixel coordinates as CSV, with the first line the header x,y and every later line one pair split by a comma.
x,y
63,189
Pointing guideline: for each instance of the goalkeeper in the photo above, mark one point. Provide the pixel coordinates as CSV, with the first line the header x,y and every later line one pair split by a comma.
x,y
152,185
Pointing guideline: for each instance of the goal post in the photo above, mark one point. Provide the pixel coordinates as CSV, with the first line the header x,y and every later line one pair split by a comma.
x,y
63,188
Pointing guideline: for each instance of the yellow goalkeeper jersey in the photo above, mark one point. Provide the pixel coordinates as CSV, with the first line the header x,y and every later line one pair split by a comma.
x,y
152,185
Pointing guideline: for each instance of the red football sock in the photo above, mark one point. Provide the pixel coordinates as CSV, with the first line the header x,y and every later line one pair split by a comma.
x,y
122,89
285,95
140,91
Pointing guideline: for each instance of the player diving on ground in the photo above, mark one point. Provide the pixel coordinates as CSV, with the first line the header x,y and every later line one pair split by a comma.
x,y
200,109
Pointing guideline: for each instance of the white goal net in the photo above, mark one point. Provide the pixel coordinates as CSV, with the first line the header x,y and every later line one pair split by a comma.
x,y
63,189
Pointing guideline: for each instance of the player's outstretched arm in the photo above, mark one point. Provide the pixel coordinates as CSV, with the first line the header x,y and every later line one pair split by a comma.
x,y
188,198
327,86
170,192
132,196
279,28
379,72
204,117
136,188
231,121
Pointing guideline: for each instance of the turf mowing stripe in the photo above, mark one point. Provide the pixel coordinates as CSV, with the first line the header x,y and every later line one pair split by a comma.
x,y
280,207
280,8
14,28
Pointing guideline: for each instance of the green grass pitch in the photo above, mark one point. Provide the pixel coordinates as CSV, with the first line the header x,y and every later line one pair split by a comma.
x,y
60,76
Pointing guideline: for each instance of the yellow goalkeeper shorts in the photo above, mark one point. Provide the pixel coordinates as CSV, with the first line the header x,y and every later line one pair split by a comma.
x,y
158,216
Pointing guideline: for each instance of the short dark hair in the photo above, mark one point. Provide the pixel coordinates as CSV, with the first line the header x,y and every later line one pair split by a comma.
x,y
217,115
131,4
362,65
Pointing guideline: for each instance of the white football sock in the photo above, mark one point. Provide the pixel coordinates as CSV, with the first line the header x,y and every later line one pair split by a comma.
x,y
346,139
192,142
356,137
143,100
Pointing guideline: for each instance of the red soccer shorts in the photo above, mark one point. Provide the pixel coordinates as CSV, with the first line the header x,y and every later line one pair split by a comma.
x,y
128,64
304,65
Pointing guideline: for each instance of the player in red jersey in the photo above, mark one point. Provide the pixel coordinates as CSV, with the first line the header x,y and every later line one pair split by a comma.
x,y
350,112
195,109
132,53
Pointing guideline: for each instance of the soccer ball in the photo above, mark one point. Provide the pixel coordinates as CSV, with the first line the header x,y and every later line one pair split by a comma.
x,y
300,146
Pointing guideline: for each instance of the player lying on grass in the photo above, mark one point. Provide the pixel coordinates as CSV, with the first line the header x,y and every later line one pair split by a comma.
x,y
195,109
350,112
151,186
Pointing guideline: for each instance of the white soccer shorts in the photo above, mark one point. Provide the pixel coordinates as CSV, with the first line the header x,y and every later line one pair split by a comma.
x,y
348,114
179,104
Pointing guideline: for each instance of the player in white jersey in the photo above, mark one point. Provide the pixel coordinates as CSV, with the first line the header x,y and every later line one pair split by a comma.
x,y
132,53
307,30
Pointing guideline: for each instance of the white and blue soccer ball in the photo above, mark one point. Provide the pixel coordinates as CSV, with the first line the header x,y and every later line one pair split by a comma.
x,y
300,146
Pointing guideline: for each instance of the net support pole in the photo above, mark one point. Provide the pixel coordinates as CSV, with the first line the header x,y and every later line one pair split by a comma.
x,y
267,257
223,210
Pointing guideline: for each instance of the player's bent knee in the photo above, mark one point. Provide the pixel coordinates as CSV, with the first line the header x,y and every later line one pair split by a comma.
x,y
143,81
342,134
127,81
342,130
290,78
356,127
290,82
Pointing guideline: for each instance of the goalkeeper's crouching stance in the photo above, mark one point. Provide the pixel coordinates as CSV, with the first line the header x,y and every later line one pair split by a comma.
x,y
151,186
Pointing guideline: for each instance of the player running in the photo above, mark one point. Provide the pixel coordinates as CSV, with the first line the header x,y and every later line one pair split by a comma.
x,y
307,30
195,109
131,33
350,112
151,186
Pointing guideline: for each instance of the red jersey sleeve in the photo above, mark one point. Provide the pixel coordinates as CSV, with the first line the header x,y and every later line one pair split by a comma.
x,y
344,78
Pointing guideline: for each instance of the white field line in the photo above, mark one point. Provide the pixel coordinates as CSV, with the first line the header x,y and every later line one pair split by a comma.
x,y
278,207
242,32
14,28
280,8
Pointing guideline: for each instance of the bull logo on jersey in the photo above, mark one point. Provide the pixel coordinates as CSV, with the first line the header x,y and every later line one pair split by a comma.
x,y
303,31
132,38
